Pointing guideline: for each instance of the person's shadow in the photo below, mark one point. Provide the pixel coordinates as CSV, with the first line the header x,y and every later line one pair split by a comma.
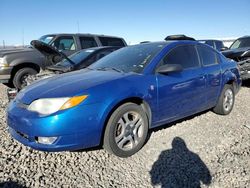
x,y
179,167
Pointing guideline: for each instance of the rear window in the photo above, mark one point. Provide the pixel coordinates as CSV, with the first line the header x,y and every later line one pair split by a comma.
x,y
109,41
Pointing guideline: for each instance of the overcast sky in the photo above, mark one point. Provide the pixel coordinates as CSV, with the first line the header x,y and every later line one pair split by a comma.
x,y
135,20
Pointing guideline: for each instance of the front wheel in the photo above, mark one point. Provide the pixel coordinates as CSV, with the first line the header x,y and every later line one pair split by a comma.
x,y
126,130
19,79
226,101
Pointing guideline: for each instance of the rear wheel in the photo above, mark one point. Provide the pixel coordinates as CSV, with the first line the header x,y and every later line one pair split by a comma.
x,y
126,130
19,79
226,101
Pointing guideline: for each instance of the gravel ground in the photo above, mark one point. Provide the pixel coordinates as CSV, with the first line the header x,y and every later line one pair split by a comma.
x,y
207,150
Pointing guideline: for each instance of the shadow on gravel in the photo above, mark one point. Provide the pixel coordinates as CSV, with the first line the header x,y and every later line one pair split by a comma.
x,y
246,83
11,184
179,167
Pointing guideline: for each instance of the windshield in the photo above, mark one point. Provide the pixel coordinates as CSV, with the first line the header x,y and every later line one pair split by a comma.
x,y
77,57
129,59
241,43
46,38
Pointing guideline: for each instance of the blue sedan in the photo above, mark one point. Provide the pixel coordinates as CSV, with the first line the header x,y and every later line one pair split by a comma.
x,y
119,98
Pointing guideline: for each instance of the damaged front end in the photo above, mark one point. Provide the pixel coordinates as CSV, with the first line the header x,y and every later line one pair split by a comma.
x,y
245,69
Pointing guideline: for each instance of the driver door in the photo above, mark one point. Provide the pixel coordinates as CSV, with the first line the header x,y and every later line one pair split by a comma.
x,y
181,93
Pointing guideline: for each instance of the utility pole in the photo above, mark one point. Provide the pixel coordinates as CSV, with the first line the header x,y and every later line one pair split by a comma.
x,y
23,37
78,28
3,44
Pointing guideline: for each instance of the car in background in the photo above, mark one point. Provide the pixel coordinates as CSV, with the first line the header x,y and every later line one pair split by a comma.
x,y
17,64
115,101
216,44
239,51
76,61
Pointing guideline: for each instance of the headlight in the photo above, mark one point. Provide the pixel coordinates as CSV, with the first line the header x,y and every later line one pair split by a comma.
x,y
2,63
51,105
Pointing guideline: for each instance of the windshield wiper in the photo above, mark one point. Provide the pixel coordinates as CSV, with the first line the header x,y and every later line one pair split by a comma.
x,y
110,68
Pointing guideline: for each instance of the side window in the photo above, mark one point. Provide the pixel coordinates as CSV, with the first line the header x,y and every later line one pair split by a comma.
x,y
208,56
104,53
64,43
87,42
108,41
210,43
219,45
186,56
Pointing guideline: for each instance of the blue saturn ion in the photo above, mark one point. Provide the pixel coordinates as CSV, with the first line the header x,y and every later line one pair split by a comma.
x,y
114,102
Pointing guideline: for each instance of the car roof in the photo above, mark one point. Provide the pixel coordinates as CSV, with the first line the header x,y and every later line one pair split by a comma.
x,y
82,34
210,40
247,36
165,43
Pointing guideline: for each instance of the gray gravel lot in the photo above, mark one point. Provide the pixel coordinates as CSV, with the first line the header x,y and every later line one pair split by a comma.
x,y
205,150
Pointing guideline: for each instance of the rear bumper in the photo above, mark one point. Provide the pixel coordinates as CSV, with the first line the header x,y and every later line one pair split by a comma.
x,y
5,74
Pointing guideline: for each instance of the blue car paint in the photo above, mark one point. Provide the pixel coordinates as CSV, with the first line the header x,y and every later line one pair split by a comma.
x,y
82,126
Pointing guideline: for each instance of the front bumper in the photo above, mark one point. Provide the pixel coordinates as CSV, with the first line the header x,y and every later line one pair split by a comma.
x,y
5,74
76,128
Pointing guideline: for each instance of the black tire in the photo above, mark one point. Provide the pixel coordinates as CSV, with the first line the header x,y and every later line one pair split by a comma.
x,y
110,135
9,84
220,107
18,79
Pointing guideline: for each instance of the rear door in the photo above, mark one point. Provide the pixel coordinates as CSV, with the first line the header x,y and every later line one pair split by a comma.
x,y
212,70
181,93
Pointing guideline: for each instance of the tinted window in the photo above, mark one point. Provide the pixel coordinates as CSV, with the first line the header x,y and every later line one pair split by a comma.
x,y
64,43
208,56
108,41
210,43
87,42
186,56
77,57
219,45
241,43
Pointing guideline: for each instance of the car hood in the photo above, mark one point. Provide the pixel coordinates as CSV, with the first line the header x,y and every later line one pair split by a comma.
x,y
234,53
10,51
47,50
68,84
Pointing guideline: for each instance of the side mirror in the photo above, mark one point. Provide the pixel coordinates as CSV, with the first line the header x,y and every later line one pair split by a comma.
x,y
224,48
165,69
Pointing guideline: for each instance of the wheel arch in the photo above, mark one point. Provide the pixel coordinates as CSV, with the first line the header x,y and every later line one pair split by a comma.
x,y
229,78
137,100
25,65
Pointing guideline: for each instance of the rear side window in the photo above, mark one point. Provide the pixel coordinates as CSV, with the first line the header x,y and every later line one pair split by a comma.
x,y
186,56
208,56
108,41
87,42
